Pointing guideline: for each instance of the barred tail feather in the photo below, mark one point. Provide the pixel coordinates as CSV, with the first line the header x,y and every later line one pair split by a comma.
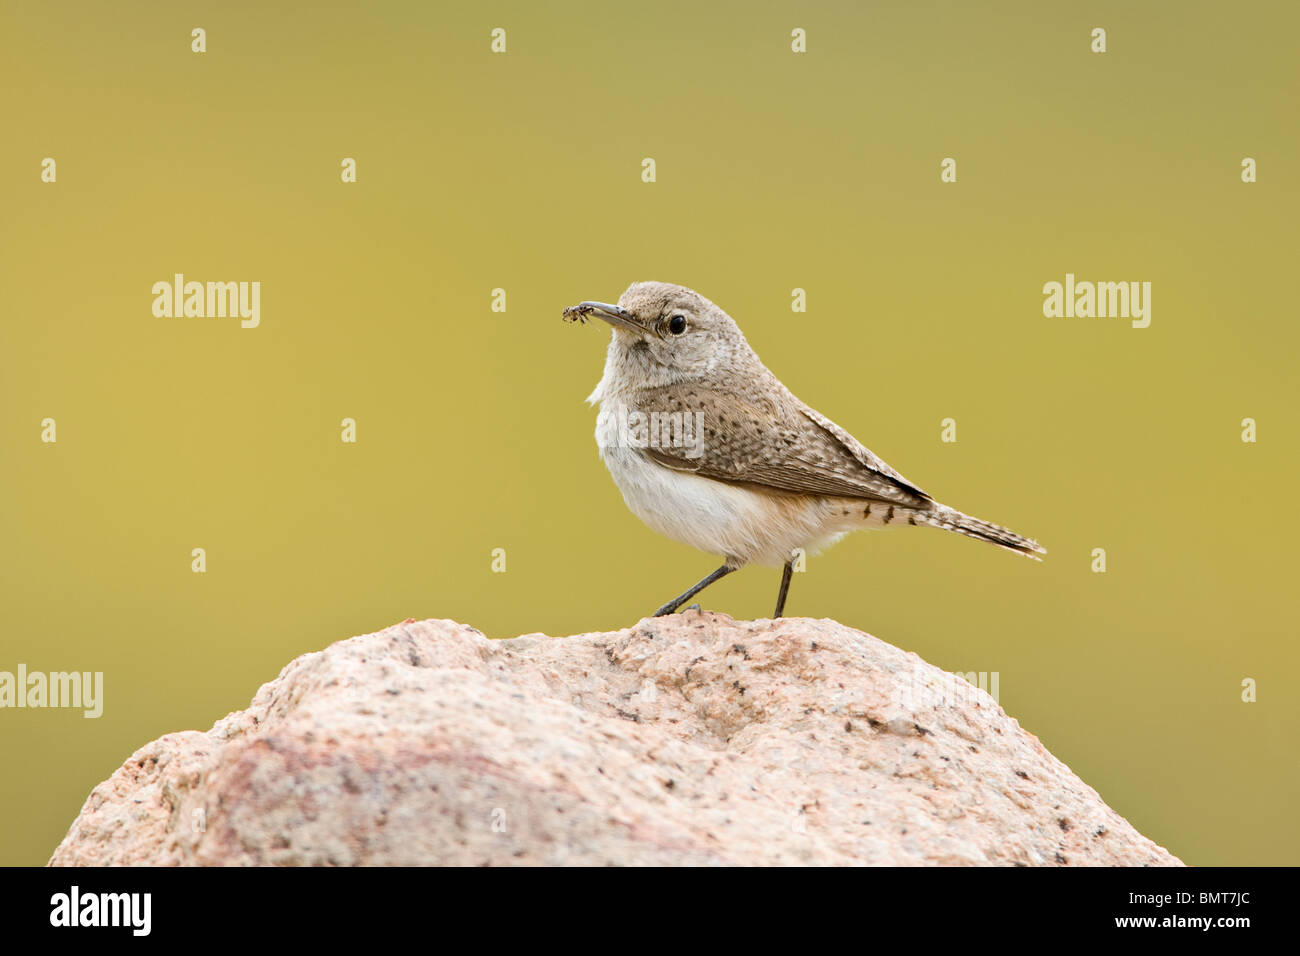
x,y
949,519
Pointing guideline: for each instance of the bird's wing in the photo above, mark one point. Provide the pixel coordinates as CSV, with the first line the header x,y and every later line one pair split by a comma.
x,y
771,442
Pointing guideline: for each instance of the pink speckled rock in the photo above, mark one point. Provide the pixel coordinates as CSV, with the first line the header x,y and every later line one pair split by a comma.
x,y
691,739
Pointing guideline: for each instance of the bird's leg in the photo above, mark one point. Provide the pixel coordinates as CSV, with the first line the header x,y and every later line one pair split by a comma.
x,y
785,589
693,590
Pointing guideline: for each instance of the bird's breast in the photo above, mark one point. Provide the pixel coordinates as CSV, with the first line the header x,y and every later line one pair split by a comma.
x,y
718,518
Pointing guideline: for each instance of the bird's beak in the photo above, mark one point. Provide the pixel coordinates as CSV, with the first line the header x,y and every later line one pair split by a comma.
x,y
613,314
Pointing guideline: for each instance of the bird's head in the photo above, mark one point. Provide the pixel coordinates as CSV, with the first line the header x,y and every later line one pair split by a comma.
x,y
669,332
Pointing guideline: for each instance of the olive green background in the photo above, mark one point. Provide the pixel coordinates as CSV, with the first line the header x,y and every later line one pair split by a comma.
x,y
775,171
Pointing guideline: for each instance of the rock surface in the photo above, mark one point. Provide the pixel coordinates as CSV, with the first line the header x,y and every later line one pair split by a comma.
x,y
693,739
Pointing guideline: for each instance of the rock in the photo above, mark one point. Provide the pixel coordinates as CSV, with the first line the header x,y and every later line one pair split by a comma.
x,y
691,739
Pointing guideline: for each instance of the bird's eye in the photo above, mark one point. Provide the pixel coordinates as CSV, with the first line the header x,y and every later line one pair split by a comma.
x,y
677,324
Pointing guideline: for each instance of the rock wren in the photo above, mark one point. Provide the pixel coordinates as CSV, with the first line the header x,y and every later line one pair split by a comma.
x,y
710,449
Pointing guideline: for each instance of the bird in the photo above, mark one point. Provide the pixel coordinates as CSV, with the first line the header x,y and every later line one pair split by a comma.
x,y
710,449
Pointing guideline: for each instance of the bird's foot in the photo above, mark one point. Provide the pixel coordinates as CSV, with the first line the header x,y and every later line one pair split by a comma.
x,y
673,608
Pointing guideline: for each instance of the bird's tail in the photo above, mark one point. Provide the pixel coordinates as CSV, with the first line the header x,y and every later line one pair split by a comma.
x,y
949,519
